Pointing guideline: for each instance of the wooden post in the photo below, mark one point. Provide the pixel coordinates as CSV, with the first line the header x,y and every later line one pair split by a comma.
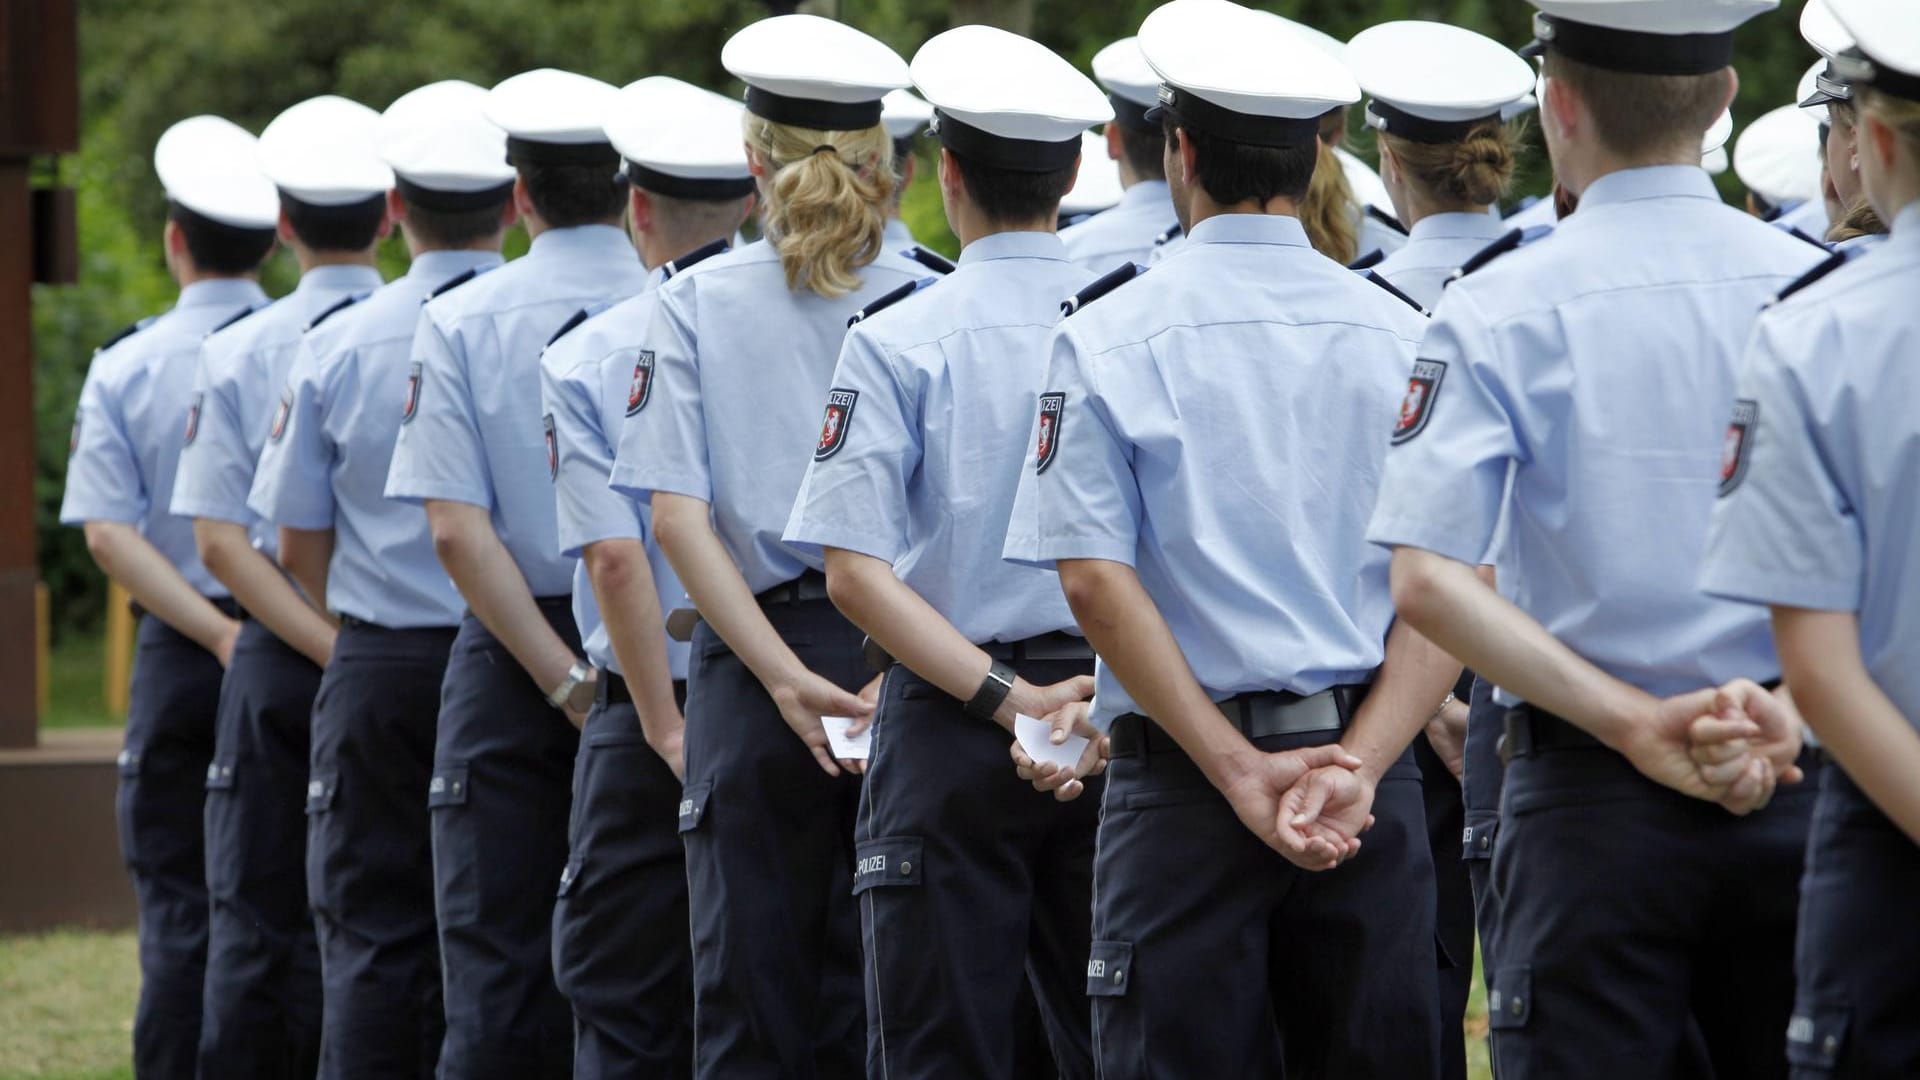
x,y
119,665
43,644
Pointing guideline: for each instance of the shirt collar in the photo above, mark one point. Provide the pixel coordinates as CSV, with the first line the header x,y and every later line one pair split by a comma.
x,y
436,267
1249,229
1906,223
589,241
342,278
1014,245
1651,182
1458,226
224,292
1147,193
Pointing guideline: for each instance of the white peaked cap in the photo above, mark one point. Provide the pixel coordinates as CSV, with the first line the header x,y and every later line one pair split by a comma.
x,y
550,106
1098,185
904,115
1239,62
1430,81
438,137
321,152
1778,156
806,71
1123,69
208,165
679,139
1009,87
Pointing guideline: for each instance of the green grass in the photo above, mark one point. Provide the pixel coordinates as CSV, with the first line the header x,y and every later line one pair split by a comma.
x,y
76,696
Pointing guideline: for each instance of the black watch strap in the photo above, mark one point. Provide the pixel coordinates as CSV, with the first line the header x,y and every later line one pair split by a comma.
x,y
993,690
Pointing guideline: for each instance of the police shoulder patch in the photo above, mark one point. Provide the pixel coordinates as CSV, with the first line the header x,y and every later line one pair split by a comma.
x,y
932,260
887,300
282,414
454,282
1046,446
640,390
1738,445
1827,266
697,256
411,406
834,424
1101,286
1368,261
339,306
1374,276
1386,219
193,417
1423,387
553,447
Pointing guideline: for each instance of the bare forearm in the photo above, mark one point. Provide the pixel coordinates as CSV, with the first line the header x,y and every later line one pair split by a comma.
x,y
718,590
156,584
903,623
630,606
305,555
496,592
1132,638
262,589
1450,604
1856,721
1413,681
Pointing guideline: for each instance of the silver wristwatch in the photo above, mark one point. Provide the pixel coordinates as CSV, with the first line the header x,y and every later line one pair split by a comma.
x,y
575,692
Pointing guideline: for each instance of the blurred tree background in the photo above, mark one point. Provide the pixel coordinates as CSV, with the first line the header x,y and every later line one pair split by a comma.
x,y
148,63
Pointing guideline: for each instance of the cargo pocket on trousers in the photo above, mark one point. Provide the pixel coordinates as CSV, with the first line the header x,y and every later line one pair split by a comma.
x,y
693,805
570,874
1109,969
1476,842
1817,1035
126,807
321,789
891,862
225,830
456,877
1510,998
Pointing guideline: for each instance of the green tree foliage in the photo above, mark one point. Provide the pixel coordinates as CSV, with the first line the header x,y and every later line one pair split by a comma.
x,y
148,63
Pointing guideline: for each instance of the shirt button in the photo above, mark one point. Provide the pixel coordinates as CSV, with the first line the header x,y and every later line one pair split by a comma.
x,y
1517,1006
906,868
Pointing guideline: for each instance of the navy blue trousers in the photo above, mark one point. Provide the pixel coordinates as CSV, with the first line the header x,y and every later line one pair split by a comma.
x,y
970,883
369,853
1213,956
769,841
620,950
160,807
1857,1011
262,1000
499,799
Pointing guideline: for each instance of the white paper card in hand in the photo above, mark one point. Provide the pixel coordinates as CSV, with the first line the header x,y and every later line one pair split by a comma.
x,y
1035,735
846,748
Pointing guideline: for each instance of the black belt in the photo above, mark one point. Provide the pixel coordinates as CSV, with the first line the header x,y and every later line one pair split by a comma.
x,y
226,605
811,585
612,690
1529,729
355,622
1258,715
1053,646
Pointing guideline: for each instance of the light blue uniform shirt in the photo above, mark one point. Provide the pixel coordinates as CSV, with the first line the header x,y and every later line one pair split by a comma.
x,y
898,237
476,434
740,364
128,431
239,400
1123,233
589,379
1599,364
926,469
1822,504
1809,216
1539,212
1212,433
1436,246
328,468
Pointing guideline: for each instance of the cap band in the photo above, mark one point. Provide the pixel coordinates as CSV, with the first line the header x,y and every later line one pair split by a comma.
x,y
1859,69
1828,87
1000,152
809,113
1402,124
1277,132
452,202
698,189
1129,113
536,152
1630,51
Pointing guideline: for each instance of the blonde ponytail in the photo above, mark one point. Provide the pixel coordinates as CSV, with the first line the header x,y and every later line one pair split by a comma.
x,y
1327,213
1474,171
825,199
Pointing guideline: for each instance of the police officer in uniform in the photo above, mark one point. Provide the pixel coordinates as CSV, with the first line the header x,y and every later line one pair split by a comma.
x,y
263,967
1260,703
1127,232
369,868
620,923
1818,520
1592,365
471,449
126,441
1854,223
741,349
969,883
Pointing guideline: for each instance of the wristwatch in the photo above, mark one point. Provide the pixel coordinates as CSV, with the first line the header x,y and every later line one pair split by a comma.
x,y
993,690
575,692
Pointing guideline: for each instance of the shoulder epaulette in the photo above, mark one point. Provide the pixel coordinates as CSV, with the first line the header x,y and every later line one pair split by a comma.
x,y
573,320
696,256
1101,286
455,281
1798,235
888,300
1374,276
231,319
1169,236
1386,219
1068,221
932,260
1368,261
343,304
1827,266
130,330
1511,240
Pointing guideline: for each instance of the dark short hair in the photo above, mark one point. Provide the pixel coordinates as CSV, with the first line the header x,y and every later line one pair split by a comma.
x,y
217,248
1145,152
568,195
1232,172
1636,115
1010,196
353,227
449,230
